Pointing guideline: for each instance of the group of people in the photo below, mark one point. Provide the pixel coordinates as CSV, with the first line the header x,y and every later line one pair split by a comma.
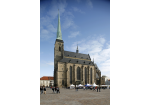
x,y
42,88
96,89
92,88
55,89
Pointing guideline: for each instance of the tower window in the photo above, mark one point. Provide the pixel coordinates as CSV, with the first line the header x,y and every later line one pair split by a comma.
x,y
59,48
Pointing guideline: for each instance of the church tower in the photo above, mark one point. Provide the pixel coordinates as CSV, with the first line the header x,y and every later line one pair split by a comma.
x,y
58,50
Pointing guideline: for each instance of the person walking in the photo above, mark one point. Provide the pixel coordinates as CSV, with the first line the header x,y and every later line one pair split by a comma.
x,y
99,88
58,90
41,90
55,89
44,90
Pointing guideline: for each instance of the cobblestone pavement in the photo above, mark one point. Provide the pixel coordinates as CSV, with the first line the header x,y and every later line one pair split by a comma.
x,y
72,97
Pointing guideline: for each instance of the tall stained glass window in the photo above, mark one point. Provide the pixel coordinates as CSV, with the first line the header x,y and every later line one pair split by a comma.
x,y
70,74
85,75
78,73
91,75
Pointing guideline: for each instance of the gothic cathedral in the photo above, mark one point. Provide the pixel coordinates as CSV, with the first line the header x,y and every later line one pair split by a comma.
x,y
72,67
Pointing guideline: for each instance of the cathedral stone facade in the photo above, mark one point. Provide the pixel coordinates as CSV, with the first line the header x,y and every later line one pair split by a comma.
x,y
72,67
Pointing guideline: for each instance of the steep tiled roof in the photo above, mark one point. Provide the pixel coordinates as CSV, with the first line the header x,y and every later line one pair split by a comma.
x,y
47,78
76,61
76,55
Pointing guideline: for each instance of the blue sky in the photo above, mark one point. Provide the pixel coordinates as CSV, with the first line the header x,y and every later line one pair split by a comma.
x,y
86,22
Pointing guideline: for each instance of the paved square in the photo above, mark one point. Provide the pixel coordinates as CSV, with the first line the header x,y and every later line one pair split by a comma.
x,y
72,97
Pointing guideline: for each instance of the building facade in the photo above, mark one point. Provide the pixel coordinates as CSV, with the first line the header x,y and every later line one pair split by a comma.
x,y
47,81
72,67
107,80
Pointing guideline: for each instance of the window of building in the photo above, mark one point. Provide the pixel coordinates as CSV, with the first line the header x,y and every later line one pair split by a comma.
x,y
91,75
62,82
59,48
70,74
85,75
78,73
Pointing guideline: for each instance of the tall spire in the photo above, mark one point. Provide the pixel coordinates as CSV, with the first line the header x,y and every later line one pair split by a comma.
x,y
59,34
77,51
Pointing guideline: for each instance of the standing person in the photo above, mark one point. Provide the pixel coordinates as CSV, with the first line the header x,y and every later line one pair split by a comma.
x,y
97,89
55,89
58,90
41,90
44,90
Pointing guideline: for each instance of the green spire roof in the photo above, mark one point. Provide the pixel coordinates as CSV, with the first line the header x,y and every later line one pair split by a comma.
x,y
59,34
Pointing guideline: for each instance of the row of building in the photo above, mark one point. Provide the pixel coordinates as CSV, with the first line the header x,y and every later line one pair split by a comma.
x,y
49,81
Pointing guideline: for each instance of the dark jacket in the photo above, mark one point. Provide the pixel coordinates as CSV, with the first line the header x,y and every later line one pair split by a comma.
x,y
44,89
41,88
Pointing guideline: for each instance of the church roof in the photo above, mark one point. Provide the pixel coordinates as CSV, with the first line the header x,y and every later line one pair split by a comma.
x,y
76,61
76,55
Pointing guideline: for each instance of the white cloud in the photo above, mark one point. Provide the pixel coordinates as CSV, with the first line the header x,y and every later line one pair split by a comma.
x,y
105,66
89,3
53,11
74,34
78,10
68,22
97,48
47,28
50,63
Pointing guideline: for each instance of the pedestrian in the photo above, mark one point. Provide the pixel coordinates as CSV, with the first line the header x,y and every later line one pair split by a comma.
x,y
58,90
41,90
55,89
97,89
44,90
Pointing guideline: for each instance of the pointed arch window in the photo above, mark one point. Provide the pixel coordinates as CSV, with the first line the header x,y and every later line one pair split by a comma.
x,y
85,75
59,48
70,74
91,75
78,73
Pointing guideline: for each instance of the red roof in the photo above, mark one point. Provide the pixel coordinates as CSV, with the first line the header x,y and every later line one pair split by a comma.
x,y
47,78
